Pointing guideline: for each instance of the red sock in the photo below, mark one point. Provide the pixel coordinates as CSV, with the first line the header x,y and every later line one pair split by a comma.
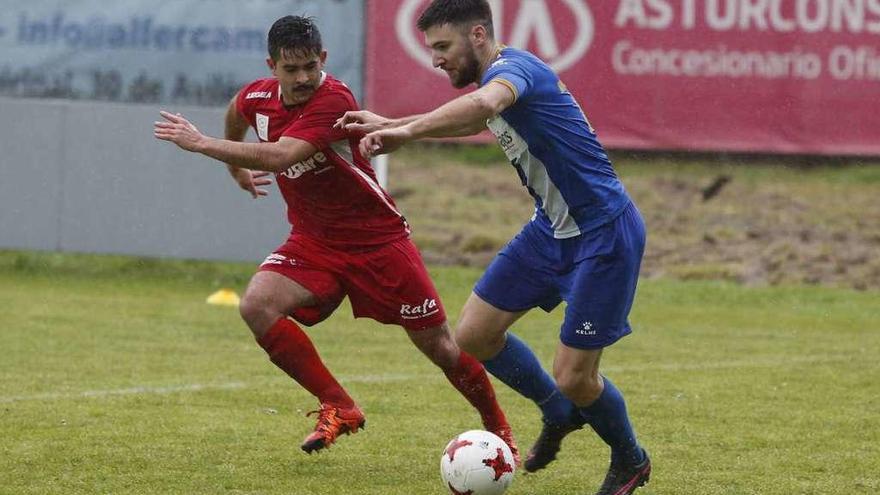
x,y
292,351
469,377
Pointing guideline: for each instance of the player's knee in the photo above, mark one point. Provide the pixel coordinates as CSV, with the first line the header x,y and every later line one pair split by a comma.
x,y
465,339
475,343
581,389
256,313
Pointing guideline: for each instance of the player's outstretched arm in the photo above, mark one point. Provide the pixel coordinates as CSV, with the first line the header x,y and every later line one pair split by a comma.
x,y
366,121
269,157
235,128
467,113
463,116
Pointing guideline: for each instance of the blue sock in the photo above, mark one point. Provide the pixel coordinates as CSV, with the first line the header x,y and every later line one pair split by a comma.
x,y
518,367
607,416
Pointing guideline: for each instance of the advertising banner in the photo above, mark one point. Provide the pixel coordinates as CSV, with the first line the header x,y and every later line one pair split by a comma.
x,y
195,52
782,76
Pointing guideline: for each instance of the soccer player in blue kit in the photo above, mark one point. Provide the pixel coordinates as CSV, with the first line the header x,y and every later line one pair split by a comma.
x,y
584,244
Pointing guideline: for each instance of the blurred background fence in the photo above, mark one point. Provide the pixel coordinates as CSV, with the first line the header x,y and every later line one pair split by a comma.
x,y
81,82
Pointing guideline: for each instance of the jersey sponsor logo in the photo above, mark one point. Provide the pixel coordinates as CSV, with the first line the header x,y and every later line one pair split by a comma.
x,y
531,20
264,95
263,127
315,162
505,140
423,310
511,142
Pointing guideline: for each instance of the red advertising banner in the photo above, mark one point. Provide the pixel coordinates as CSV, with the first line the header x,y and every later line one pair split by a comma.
x,y
781,76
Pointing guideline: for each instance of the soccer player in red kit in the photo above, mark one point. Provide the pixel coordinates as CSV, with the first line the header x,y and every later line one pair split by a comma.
x,y
347,237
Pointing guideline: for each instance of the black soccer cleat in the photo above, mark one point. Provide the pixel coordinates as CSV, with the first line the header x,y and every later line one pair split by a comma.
x,y
544,451
623,479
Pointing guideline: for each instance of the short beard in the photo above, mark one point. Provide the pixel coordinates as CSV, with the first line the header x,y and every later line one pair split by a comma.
x,y
467,74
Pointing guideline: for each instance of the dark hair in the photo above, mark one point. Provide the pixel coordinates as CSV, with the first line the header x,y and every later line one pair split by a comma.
x,y
457,13
294,33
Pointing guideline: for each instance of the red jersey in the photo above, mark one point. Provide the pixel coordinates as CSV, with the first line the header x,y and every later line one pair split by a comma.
x,y
332,196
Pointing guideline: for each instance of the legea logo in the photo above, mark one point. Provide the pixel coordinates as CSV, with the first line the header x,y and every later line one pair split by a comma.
x,y
532,20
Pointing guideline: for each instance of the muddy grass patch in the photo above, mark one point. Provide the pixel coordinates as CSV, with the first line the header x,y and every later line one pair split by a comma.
x,y
757,223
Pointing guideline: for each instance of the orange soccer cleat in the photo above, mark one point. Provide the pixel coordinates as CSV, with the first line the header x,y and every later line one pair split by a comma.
x,y
332,422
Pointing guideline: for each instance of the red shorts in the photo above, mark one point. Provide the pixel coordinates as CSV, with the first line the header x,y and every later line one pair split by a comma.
x,y
388,284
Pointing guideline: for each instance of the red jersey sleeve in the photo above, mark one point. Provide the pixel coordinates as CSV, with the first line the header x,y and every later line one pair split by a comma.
x,y
243,105
316,123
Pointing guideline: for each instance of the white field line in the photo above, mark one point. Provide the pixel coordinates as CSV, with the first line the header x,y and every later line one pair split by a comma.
x,y
403,377
92,394
194,387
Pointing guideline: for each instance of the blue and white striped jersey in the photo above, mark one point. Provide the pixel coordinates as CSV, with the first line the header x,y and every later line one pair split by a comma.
x,y
550,142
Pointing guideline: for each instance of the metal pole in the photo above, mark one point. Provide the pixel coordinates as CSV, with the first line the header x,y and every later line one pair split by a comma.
x,y
380,165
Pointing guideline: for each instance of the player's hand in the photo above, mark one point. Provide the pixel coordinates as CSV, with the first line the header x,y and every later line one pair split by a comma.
x,y
252,181
384,141
179,131
362,121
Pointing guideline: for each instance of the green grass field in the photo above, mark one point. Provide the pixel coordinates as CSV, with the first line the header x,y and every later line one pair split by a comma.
x,y
117,378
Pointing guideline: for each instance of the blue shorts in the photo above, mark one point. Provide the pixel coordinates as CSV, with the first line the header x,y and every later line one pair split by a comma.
x,y
595,273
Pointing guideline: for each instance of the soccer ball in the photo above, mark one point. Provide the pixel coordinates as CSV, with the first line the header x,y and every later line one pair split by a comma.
x,y
477,463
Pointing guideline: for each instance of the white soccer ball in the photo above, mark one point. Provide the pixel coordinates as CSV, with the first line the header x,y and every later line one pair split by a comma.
x,y
477,462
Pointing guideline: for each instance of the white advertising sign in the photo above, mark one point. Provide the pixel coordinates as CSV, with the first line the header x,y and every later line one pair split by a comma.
x,y
195,52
